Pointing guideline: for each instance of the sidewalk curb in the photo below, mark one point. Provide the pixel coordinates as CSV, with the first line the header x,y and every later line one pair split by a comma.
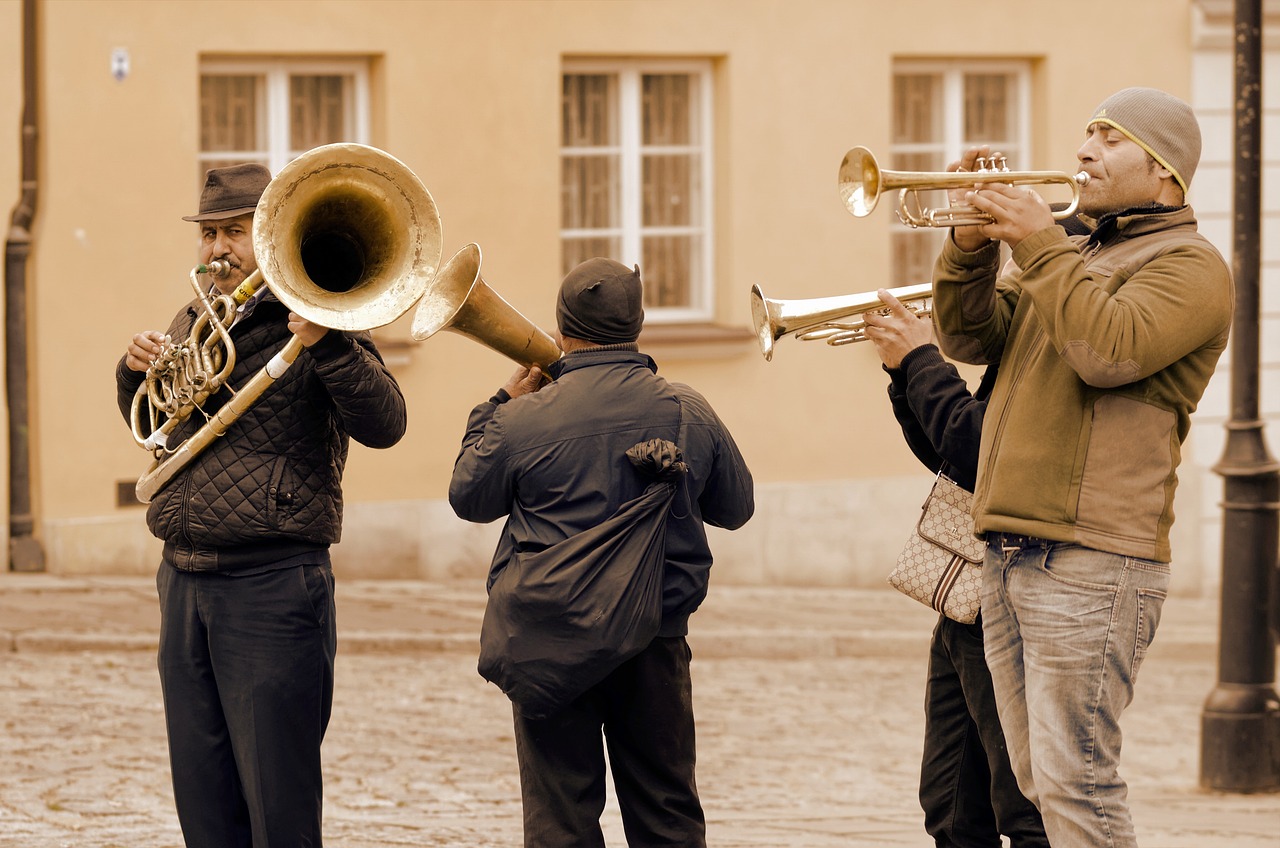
x,y
718,644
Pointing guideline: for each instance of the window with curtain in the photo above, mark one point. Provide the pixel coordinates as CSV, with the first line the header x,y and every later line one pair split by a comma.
x,y
272,110
939,109
635,165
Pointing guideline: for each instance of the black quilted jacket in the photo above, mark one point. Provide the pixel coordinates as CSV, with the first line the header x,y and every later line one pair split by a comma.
x,y
271,486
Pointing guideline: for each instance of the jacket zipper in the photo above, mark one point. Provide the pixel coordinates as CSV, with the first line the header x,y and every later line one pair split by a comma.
x,y
1032,349
184,519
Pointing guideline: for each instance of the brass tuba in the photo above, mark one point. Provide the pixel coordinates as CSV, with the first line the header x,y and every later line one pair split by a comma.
x,y
822,318
861,182
458,300
345,236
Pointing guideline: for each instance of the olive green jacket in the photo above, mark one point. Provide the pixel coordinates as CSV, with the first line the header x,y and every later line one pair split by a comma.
x,y
1106,343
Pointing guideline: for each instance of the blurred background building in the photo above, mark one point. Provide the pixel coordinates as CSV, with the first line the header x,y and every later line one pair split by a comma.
x,y
699,139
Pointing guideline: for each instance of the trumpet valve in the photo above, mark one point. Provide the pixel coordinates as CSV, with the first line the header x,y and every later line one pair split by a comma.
x,y
992,165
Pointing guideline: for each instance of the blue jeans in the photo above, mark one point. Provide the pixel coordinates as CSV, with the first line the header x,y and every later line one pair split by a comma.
x,y
1066,630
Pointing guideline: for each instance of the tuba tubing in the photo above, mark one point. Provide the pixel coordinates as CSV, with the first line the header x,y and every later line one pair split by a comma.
x,y
184,375
459,300
347,237
161,472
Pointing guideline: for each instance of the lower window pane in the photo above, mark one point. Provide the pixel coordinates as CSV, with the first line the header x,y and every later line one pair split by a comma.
x,y
667,187
667,270
588,192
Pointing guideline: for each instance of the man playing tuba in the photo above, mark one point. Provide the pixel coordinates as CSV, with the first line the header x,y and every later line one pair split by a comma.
x,y
247,629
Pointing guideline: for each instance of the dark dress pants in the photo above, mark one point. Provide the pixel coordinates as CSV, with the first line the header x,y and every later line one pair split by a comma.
x,y
246,670
645,708
967,788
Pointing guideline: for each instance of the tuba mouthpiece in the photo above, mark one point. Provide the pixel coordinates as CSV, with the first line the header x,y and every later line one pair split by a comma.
x,y
216,268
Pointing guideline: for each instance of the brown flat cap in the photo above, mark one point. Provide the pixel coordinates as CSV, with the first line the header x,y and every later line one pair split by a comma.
x,y
231,191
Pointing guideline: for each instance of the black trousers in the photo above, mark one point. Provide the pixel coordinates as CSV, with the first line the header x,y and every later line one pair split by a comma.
x,y
967,788
645,709
246,670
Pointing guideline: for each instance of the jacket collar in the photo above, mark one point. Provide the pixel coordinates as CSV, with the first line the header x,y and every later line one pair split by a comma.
x,y
1140,220
598,356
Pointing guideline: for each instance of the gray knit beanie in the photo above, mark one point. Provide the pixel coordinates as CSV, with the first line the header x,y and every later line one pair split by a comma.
x,y
1160,124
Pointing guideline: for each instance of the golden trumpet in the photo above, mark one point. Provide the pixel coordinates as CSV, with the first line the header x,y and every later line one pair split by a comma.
x,y
822,318
861,182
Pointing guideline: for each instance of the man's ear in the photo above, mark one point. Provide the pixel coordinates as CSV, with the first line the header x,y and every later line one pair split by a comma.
x,y
1171,193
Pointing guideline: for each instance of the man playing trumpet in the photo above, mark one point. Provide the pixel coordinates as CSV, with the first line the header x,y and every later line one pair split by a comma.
x,y
1105,343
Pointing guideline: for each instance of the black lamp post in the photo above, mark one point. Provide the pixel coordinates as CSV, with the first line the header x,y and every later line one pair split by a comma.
x,y
1240,725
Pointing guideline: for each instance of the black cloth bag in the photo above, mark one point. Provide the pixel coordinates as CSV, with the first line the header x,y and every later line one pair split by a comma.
x,y
558,621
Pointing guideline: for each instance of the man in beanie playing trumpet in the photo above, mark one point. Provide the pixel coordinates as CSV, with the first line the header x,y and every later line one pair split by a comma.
x,y
551,459
1106,342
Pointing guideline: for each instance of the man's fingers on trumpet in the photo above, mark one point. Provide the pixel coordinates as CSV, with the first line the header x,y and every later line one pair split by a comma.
x,y
968,160
895,306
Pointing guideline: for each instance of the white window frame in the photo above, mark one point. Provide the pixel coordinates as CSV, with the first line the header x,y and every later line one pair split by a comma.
x,y
953,142
629,72
952,72
276,73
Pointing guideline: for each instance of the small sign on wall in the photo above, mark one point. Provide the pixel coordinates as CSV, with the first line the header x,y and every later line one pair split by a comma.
x,y
120,63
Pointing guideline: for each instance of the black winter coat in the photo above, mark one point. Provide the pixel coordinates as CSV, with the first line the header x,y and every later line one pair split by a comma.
x,y
554,464
271,486
941,420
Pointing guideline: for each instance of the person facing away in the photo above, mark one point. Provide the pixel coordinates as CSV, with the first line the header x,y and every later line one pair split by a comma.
x,y
1106,342
968,792
551,460
247,629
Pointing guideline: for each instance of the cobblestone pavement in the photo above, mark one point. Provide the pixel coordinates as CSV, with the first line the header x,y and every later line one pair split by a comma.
x,y
808,705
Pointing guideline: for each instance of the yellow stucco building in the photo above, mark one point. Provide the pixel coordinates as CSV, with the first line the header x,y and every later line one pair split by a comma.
x,y
700,139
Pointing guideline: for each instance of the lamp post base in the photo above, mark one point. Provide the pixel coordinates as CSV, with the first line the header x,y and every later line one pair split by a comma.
x,y
1240,739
